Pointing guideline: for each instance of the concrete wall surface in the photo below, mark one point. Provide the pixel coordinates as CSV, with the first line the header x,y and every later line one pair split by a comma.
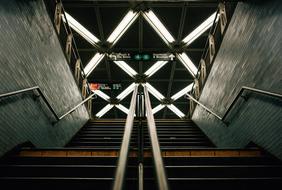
x,y
31,55
250,55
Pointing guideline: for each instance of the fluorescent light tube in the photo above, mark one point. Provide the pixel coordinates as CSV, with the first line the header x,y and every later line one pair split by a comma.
x,y
126,91
125,23
104,110
158,26
101,94
176,110
155,68
199,30
154,92
182,92
81,30
186,61
122,108
158,108
124,66
97,58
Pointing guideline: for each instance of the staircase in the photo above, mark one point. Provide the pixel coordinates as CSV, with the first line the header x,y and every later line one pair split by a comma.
x,y
89,161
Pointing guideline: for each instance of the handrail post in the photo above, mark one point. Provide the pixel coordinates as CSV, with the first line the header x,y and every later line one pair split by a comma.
x,y
123,154
158,161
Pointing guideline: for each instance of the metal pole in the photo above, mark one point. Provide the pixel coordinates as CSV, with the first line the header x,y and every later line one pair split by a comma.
x,y
158,161
122,161
140,177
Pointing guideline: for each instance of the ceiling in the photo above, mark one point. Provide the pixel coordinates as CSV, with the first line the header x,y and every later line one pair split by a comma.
x,y
180,18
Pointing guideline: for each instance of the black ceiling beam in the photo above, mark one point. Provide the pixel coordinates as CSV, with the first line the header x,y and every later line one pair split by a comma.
x,y
126,50
173,66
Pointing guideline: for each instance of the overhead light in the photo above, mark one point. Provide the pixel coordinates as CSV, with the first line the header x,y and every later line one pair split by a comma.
x,y
186,61
81,30
126,91
182,92
104,110
97,58
124,66
122,108
176,110
126,22
200,30
158,26
154,92
155,68
101,94
158,108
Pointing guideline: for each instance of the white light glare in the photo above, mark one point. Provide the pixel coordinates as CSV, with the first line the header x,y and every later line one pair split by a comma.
x,y
182,92
199,30
126,22
101,94
104,110
155,68
97,58
81,30
154,92
122,108
176,110
158,108
124,66
186,61
127,91
158,26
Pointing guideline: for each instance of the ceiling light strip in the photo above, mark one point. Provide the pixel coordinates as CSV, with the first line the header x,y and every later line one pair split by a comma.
x,y
104,110
102,94
75,25
176,110
158,26
124,66
200,30
154,92
186,61
126,92
122,108
182,92
152,70
158,108
93,63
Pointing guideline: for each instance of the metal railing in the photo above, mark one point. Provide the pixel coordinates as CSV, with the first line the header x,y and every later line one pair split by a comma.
x,y
123,155
158,161
244,88
41,94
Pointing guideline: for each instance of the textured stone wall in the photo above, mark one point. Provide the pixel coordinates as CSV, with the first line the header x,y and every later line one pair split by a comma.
x,y
250,55
31,55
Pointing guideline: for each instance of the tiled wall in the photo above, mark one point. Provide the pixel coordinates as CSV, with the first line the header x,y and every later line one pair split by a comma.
x,y
250,55
30,55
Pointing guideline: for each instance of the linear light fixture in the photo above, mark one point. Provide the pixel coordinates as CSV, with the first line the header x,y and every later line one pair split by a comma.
x,y
104,110
155,68
122,108
81,30
182,92
102,94
154,92
124,66
125,23
176,110
97,58
200,30
126,91
158,108
186,61
158,26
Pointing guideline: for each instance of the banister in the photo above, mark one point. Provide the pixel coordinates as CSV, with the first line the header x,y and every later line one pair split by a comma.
x,y
58,118
244,88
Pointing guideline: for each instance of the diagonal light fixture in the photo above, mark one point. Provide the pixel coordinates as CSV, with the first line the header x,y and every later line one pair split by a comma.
x,y
186,61
125,23
158,26
104,110
200,29
158,108
122,108
126,92
75,25
124,66
93,63
176,110
182,92
102,95
152,70
154,92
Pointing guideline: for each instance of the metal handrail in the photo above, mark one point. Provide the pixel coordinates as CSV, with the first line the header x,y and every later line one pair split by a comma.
x,y
58,118
123,155
255,90
158,161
